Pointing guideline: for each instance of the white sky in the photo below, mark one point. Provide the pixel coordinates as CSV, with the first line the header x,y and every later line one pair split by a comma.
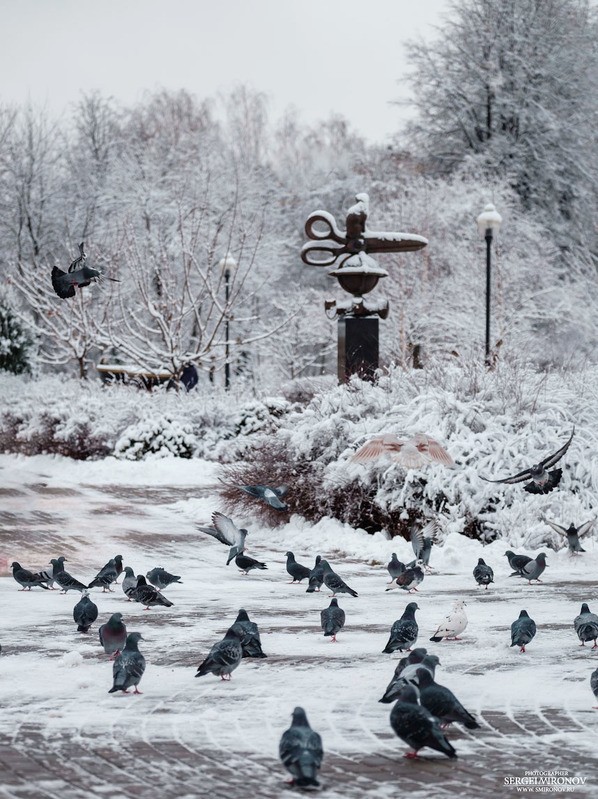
x,y
344,56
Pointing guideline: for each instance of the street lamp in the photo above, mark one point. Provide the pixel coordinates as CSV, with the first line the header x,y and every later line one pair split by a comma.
x,y
227,265
488,222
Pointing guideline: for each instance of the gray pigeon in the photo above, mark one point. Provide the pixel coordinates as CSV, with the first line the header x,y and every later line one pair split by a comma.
x,y
517,563
246,564
316,576
395,567
225,531
533,569
483,573
26,579
404,632
408,676
249,634
107,575
148,595
523,630
417,726
65,580
441,702
160,578
271,496
333,582
572,534
297,571
594,684
113,634
332,619
422,541
47,577
586,626
224,657
415,656
129,582
78,275
409,579
301,751
129,666
85,613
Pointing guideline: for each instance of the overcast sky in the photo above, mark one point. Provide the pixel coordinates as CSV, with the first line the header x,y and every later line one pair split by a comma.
x,y
322,56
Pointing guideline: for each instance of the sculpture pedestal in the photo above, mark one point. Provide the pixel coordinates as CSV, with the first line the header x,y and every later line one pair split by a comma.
x,y
357,347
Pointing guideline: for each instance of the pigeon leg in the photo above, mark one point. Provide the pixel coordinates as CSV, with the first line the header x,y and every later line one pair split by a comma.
x,y
522,648
136,691
583,643
410,755
333,639
595,644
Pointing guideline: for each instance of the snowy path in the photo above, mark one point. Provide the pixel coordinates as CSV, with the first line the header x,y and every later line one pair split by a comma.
x,y
63,735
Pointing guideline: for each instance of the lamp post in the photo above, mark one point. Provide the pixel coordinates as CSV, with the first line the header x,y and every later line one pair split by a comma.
x,y
227,265
488,222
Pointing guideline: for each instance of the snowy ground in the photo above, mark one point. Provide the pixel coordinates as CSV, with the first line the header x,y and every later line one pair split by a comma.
x,y
63,735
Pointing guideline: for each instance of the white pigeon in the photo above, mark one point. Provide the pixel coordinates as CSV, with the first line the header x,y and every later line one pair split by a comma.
x,y
453,624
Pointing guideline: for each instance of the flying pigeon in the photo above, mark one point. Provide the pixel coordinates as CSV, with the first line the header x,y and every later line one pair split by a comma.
x,y
594,684
586,626
517,563
533,569
453,625
542,480
408,676
297,571
225,531
78,275
246,564
441,702
107,575
333,582
404,632
128,666
160,578
523,630
129,582
316,576
572,534
483,573
224,657
417,726
85,613
395,567
410,578
301,751
113,634
65,580
249,634
412,453
422,541
27,579
332,619
271,496
148,595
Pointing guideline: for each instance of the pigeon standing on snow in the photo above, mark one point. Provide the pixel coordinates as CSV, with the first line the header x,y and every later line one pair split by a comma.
x,y
129,582
483,573
332,619
246,564
586,626
249,635
316,576
160,578
517,563
224,657
148,595
224,530
271,496
107,575
85,613
408,676
533,569
65,580
542,480
414,656
441,702
395,567
301,751
417,726
410,578
572,534
129,666
335,583
26,579
453,625
113,634
297,571
404,632
523,630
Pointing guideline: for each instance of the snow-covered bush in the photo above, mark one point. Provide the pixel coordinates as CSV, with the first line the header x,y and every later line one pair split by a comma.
x,y
157,438
260,415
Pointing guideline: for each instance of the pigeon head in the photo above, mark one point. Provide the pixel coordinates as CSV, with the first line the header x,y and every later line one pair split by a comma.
x,y
524,614
459,603
509,553
116,617
325,565
541,558
417,655
289,554
412,606
481,562
432,660
85,594
129,571
15,565
585,608
133,638
118,558
424,678
232,633
407,694
300,718
141,580
394,556
242,615
318,559
334,603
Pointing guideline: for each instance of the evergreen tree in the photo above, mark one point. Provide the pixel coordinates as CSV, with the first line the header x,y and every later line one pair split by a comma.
x,y
15,342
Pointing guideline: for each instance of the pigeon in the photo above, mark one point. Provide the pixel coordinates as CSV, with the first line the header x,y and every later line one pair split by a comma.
x,y
412,453
248,632
78,275
27,579
403,633
148,595
118,561
65,580
517,562
107,575
409,579
224,657
586,626
113,634
246,564
572,534
414,656
422,541
301,751
160,578
332,619
333,582
47,577
453,625
542,480
441,702
594,684
408,676
271,496
417,726
395,567
225,531
129,582
129,666
523,630
316,576
297,571
533,569
483,573
85,613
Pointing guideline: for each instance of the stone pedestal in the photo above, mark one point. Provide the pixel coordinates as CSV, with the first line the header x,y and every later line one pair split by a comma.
x,y
357,347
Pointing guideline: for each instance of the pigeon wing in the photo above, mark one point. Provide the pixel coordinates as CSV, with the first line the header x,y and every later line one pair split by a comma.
x,y
376,447
585,528
434,449
556,527
226,528
552,459
254,491
62,284
517,478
